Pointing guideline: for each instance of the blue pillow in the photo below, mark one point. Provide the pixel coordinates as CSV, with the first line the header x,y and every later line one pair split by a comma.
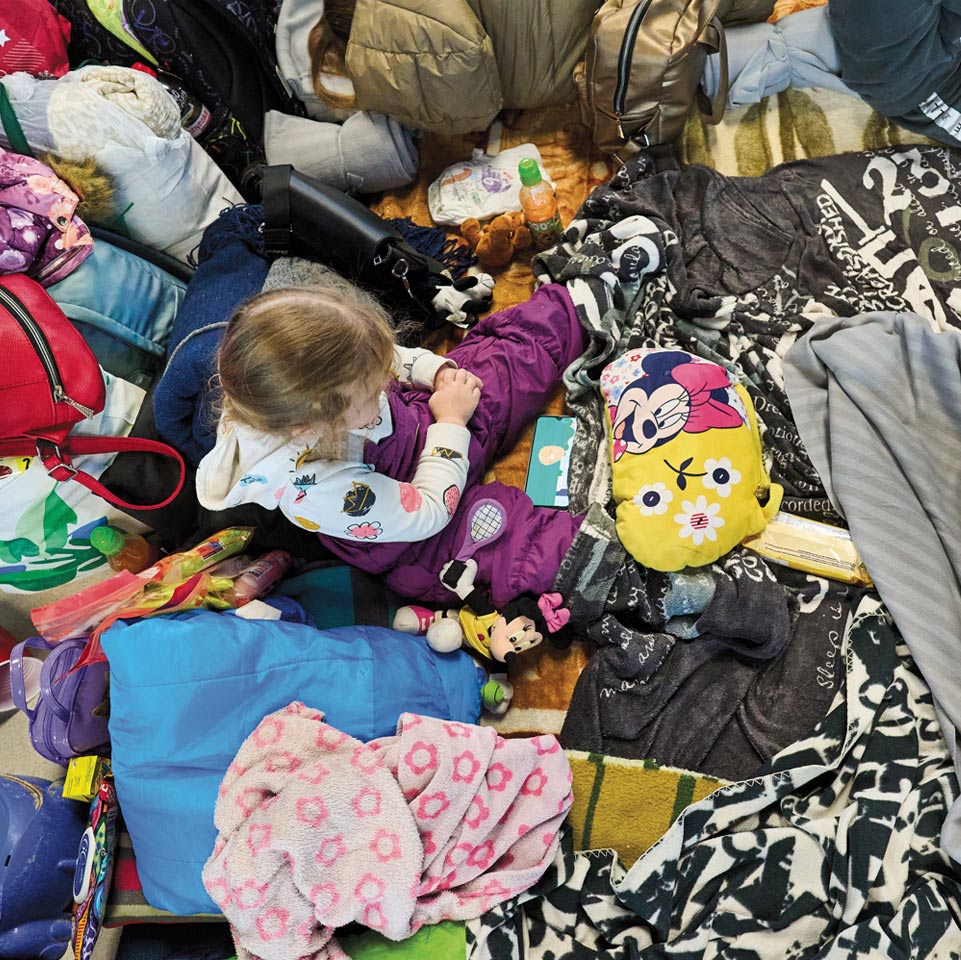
x,y
186,690
123,295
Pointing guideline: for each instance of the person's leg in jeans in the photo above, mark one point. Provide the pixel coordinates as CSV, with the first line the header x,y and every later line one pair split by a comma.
x,y
904,60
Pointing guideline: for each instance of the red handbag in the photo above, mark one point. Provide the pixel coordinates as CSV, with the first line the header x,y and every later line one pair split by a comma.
x,y
50,380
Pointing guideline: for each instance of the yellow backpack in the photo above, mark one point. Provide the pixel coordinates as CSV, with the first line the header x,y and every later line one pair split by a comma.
x,y
689,481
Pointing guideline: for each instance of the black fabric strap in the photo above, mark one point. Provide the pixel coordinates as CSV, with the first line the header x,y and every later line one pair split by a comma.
x,y
275,186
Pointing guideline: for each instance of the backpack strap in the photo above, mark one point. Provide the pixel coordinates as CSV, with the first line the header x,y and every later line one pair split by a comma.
x,y
11,125
56,460
715,40
18,689
47,692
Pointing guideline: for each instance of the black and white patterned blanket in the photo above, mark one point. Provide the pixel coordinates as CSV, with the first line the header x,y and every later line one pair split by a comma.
x,y
830,851
735,269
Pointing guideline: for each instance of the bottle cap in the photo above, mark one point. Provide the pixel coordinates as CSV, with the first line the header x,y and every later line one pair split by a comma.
x,y
108,540
143,68
530,172
492,695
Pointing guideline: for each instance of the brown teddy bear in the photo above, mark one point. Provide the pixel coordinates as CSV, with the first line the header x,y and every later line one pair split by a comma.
x,y
496,241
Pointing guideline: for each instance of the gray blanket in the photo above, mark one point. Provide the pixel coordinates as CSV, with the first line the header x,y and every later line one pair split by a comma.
x,y
877,401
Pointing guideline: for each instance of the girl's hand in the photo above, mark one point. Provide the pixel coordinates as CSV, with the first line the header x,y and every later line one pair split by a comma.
x,y
446,374
457,398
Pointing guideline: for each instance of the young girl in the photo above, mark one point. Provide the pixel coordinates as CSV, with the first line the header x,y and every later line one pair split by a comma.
x,y
381,449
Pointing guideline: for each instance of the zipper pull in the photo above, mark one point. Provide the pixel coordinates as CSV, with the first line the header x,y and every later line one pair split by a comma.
x,y
620,129
400,271
60,397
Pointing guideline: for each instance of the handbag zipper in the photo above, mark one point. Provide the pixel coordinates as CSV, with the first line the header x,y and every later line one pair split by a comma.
x,y
624,60
41,345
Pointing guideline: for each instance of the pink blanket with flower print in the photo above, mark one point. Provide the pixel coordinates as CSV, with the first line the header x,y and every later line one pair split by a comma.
x,y
316,829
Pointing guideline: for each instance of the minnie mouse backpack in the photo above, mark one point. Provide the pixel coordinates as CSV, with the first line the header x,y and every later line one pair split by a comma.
x,y
688,477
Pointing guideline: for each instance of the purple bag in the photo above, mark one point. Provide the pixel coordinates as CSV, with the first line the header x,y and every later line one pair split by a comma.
x,y
69,719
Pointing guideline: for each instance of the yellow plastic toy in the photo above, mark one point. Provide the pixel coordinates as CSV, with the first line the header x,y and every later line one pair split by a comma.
x,y
688,477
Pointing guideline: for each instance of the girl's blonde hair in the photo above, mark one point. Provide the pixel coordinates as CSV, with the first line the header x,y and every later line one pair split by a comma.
x,y
298,357
327,45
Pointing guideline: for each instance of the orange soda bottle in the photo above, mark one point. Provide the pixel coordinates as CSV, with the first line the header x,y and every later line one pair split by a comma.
x,y
539,205
124,551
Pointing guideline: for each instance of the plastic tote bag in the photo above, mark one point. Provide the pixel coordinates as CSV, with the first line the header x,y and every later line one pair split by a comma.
x,y
45,525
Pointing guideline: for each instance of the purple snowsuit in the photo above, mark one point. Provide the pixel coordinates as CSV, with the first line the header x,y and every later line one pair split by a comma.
x,y
40,233
520,354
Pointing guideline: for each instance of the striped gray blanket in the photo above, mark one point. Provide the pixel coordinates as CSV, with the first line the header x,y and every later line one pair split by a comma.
x,y
878,402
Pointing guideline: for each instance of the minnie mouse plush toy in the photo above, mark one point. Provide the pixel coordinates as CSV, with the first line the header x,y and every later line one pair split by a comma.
x,y
495,635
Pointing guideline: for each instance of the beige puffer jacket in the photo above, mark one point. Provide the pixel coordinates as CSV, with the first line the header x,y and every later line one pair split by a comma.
x,y
450,65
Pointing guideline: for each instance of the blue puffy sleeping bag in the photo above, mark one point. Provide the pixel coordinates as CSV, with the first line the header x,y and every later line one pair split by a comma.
x,y
186,690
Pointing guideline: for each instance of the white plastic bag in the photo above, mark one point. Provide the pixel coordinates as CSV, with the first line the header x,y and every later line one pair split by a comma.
x,y
45,525
482,187
167,187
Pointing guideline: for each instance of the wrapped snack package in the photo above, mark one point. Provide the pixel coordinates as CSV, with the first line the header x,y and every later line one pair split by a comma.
x,y
812,546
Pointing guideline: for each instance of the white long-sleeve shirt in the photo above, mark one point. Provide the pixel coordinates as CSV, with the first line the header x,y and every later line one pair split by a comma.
x,y
343,498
